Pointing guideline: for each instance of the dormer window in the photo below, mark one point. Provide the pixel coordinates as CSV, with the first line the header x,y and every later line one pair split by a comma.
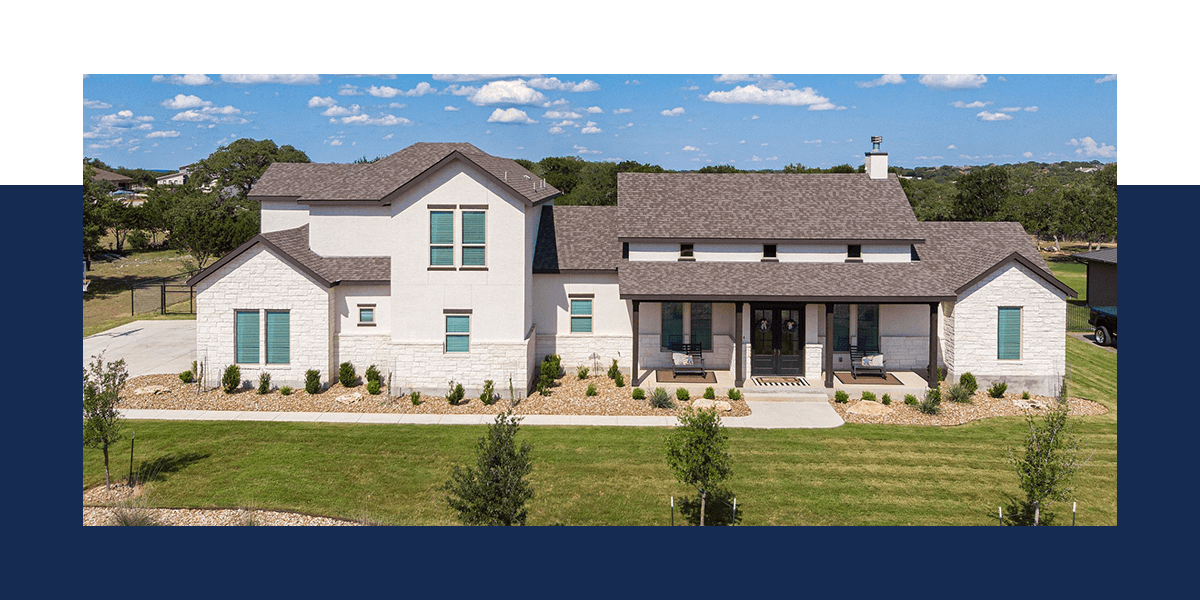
x,y
770,251
686,252
854,253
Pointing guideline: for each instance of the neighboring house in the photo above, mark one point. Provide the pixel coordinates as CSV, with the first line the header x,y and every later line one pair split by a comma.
x,y
441,262
121,182
1101,276
177,178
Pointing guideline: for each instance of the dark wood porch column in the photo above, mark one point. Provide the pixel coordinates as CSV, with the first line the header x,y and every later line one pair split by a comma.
x,y
828,345
933,344
738,375
633,374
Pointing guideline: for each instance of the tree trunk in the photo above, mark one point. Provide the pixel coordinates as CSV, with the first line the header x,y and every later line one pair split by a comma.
x,y
106,479
1037,513
702,498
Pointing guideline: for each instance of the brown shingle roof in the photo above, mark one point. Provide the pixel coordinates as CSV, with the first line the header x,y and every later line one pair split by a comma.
x,y
1104,255
376,181
775,206
577,238
102,175
962,251
293,245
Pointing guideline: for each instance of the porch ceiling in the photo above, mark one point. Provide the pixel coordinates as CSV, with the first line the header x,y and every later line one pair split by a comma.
x,y
763,282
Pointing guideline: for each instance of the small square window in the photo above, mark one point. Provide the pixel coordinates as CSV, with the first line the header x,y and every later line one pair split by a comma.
x,y
770,250
686,251
854,251
366,315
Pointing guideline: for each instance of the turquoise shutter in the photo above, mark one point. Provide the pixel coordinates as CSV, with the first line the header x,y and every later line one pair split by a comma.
x,y
473,256
474,228
441,231
702,325
581,316
868,327
366,315
278,337
247,337
1009,333
458,328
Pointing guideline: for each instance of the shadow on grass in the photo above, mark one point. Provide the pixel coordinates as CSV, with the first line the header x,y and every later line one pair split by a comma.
x,y
158,468
718,509
1017,512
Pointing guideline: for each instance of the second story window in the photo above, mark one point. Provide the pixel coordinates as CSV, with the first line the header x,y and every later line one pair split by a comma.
x,y
770,251
854,252
441,238
474,238
686,252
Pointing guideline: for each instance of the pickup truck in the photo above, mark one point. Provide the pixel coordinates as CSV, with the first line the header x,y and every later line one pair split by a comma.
x,y
1104,319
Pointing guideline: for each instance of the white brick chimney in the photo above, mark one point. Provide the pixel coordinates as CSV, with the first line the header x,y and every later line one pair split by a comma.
x,y
876,161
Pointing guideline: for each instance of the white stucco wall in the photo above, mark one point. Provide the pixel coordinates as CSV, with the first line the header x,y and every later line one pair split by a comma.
x,y
1043,331
260,280
277,215
341,230
612,320
785,252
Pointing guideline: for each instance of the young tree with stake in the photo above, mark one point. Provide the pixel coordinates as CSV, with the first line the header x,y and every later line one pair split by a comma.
x,y
101,392
1051,458
697,452
494,491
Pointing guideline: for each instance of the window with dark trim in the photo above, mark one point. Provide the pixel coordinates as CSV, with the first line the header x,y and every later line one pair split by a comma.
x,y
474,238
841,327
458,333
581,315
278,337
246,337
1008,332
912,253
770,251
854,251
686,251
441,238
624,249
702,325
672,325
868,327
366,315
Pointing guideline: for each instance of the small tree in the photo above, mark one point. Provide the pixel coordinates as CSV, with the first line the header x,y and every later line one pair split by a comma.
x,y
697,452
1051,458
101,392
494,491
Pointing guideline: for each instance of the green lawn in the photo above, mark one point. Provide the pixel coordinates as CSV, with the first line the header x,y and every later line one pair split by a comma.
x,y
851,475
106,304
1071,273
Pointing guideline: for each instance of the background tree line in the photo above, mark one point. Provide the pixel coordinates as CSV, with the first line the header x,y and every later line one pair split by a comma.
x,y
210,215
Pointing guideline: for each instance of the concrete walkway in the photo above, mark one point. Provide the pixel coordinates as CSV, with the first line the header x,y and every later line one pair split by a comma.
x,y
148,347
766,415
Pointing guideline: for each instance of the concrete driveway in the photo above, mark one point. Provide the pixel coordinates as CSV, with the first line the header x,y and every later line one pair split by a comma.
x,y
148,347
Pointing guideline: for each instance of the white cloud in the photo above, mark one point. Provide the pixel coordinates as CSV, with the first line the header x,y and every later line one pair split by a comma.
x,y
753,94
590,129
1030,109
816,141
181,102
674,112
342,111
349,90
953,82
95,104
506,92
1107,78
736,78
200,79
1090,148
991,116
384,120
1009,109
319,102
265,78
975,104
511,115
565,123
162,134
451,109
884,80
421,89
952,147
595,110
556,129
459,90
1027,154
397,105
558,114
690,149
462,78
621,111
335,142
554,85
754,117
584,150
384,91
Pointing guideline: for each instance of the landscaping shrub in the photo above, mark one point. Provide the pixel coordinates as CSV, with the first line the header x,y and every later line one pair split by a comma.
x,y
932,404
958,393
264,383
841,396
556,361
187,377
734,394
489,395
415,397
548,374
138,240
661,399
868,396
455,394
941,374
312,381
591,389
638,394
619,380
373,374
682,394
967,380
710,393
1025,395
373,387
997,390
910,399
346,375
232,378
613,370
285,390
886,400
582,372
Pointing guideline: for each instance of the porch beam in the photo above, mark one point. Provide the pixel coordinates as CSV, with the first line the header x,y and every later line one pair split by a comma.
x,y
738,376
828,354
931,376
633,374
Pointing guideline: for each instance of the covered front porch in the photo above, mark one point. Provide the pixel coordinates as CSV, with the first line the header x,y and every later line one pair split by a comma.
x,y
801,344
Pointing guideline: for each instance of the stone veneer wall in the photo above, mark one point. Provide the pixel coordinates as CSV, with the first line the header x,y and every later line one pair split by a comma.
x,y
575,350
362,351
259,280
427,369
1043,332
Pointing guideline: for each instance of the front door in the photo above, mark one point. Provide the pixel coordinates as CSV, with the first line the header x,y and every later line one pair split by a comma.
x,y
777,340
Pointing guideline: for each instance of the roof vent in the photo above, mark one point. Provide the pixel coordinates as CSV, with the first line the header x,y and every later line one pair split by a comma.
x,y
875,141
876,163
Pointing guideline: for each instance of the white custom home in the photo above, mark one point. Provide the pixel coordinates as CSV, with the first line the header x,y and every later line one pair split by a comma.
x,y
441,262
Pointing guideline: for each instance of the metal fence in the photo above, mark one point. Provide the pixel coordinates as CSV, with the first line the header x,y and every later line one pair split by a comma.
x,y
167,295
1077,317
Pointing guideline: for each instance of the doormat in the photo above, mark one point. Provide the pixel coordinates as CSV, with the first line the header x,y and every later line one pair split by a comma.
x,y
664,376
849,379
780,381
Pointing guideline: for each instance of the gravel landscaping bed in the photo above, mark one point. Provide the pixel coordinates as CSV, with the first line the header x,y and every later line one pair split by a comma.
x,y
567,397
982,406
100,504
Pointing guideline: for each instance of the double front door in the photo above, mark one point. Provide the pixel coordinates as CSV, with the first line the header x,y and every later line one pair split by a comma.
x,y
777,340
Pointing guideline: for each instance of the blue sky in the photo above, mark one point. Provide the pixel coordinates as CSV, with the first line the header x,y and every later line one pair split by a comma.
x,y
163,121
